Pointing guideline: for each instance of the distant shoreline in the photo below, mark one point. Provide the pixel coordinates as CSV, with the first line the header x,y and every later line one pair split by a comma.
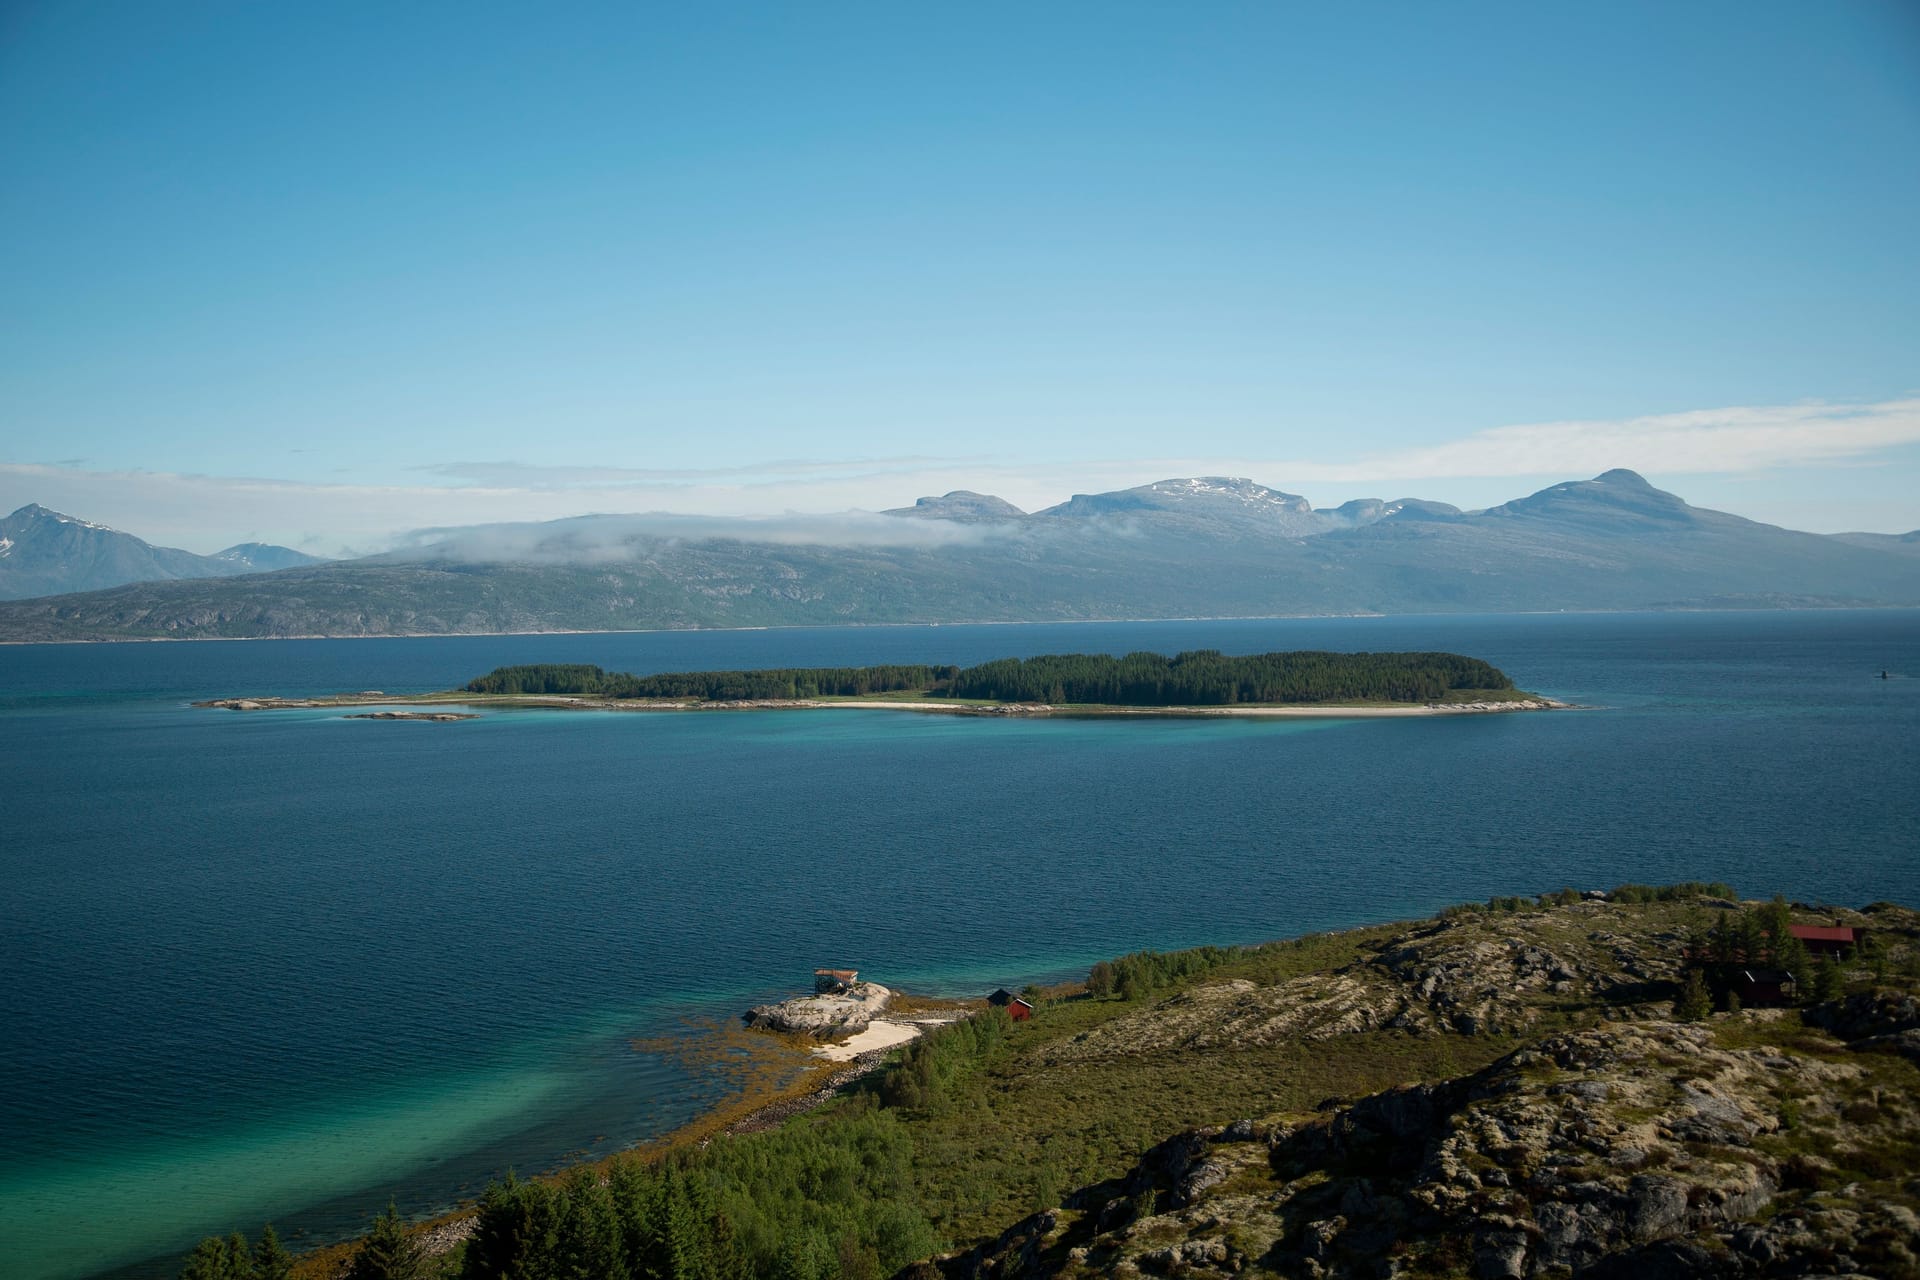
x,y
983,622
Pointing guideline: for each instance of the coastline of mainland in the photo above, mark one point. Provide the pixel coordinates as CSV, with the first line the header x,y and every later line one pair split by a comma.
x,y
1236,1085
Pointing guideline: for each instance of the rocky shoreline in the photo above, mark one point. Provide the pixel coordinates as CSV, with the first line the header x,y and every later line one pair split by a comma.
x,y
1546,1114
825,1015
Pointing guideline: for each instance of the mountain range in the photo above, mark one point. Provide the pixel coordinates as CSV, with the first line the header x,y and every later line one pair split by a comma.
x,y
1203,546
44,552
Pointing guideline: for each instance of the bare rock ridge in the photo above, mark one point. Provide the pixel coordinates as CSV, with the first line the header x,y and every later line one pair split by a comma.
x,y
1765,1143
1611,1153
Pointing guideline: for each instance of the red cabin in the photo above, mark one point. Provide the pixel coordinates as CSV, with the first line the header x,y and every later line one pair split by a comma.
x,y
1017,1009
1822,940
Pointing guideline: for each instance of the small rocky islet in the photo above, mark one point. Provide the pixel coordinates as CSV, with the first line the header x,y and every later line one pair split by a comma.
x,y
833,1010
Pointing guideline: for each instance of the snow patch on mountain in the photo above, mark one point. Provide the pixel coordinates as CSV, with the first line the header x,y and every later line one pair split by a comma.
x,y
1237,487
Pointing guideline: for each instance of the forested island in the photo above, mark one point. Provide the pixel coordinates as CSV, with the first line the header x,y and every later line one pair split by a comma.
x,y
1199,678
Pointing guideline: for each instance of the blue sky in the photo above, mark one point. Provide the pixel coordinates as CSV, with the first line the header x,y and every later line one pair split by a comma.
x,y
321,273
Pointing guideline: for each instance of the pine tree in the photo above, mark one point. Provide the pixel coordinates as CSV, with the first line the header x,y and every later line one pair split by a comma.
x,y
798,1261
215,1259
493,1250
1694,1003
1793,957
631,1187
388,1252
271,1261
1723,940
589,1237
1829,982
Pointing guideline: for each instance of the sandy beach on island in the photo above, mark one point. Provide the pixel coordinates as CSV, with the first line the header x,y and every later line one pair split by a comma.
x,y
879,1034
574,702
1319,711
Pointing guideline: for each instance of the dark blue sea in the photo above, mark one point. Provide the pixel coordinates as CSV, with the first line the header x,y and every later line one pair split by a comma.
x,y
287,965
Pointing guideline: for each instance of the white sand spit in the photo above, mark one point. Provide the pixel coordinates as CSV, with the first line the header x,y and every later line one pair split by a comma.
x,y
879,1034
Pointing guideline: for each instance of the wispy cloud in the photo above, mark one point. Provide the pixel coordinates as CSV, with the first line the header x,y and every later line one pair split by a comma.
x,y
204,512
782,470
597,539
1699,442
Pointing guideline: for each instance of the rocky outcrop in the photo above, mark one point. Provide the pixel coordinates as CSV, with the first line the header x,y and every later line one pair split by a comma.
x,y
435,717
1458,977
824,1017
1640,1149
1877,1021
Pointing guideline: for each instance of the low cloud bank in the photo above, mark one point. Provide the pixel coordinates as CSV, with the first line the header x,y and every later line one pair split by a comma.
x,y
613,538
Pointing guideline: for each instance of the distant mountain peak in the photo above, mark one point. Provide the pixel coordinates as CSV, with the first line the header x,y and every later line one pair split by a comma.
x,y
960,504
1208,497
34,511
1236,487
1617,498
264,556
45,552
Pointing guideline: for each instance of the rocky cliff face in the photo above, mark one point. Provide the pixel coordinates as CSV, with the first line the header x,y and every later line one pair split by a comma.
x,y
1765,1143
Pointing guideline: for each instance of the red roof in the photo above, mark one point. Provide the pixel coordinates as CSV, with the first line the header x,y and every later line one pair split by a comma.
x,y
1820,933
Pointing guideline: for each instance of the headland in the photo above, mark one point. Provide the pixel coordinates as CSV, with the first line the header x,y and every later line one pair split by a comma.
x,y
1644,1081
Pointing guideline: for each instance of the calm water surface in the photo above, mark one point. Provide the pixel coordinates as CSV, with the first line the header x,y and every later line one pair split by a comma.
x,y
287,965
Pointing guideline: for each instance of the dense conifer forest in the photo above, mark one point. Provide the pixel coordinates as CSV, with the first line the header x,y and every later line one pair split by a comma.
x,y
1203,677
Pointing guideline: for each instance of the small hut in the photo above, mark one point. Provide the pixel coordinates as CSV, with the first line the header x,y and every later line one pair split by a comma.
x,y
832,982
1763,988
1017,1009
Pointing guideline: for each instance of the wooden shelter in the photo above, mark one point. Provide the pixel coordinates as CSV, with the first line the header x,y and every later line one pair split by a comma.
x,y
1017,1009
827,982
1763,988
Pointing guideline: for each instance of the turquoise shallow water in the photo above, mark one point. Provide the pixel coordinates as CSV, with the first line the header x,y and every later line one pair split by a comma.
x,y
287,965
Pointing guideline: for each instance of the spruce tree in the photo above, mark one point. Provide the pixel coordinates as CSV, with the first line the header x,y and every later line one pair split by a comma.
x,y
631,1185
1829,982
589,1237
1794,958
798,1260
271,1261
214,1259
388,1252
1694,1003
493,1250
